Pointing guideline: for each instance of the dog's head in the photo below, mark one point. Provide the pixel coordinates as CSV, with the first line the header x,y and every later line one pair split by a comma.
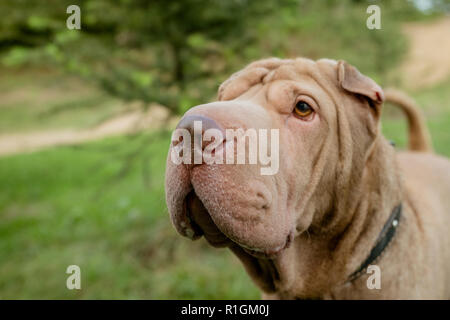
x,y
313,123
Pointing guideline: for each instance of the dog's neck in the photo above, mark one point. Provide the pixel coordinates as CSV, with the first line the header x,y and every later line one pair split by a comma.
x,y
327,256
322,258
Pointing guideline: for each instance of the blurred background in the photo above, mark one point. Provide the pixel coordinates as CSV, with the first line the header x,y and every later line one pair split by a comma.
x,y
86,117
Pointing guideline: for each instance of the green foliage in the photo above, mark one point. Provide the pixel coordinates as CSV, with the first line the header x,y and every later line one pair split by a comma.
x,y
156,51
177,52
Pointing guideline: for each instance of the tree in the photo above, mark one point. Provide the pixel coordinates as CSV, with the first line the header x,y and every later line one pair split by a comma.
x,y
169,52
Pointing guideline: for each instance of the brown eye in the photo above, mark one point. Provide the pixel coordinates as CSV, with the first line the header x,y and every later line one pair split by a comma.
x,y
302,109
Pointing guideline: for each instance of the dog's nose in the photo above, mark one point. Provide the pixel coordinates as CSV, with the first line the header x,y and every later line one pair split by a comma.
x,y
198,125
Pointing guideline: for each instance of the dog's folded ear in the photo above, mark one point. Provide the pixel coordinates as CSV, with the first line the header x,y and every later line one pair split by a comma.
x,y
353,81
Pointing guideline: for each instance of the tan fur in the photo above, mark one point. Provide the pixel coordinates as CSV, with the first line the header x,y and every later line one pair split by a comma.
x,y
419,137
338,183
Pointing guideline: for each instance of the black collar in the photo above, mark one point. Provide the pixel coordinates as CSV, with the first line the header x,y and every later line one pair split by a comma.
x,y
385,237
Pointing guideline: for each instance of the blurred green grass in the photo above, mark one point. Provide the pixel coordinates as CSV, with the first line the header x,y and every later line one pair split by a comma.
x,y
62,206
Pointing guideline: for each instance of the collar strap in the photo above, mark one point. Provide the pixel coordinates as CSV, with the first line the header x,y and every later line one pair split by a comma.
x,y
385,237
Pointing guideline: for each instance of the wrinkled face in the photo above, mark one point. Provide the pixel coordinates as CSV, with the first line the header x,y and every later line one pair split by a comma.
x,y
295,109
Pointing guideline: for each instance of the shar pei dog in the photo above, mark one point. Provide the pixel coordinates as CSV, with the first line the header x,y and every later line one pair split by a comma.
x,y
332,210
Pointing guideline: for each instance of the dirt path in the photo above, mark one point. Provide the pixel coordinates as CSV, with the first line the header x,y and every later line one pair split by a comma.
x,y
131,122
428,61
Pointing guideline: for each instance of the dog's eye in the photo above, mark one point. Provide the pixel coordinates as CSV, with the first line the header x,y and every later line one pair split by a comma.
x,y
302,109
